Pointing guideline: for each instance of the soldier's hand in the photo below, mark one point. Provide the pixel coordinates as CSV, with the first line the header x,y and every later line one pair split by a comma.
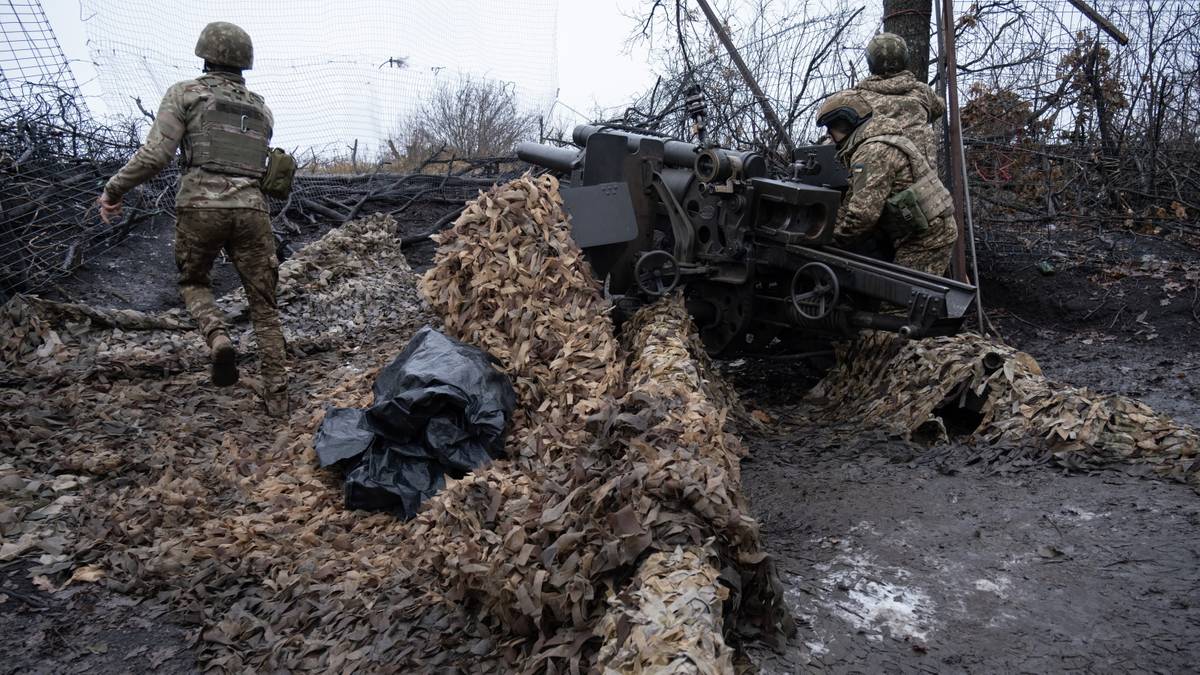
x,y
108,209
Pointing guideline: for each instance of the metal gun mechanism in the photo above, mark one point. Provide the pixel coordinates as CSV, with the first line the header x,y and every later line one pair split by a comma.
x,y
657,273
752,252
814,291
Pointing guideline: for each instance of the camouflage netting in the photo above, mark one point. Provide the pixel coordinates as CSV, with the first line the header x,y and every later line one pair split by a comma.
x,y
613,479
913,385
613,537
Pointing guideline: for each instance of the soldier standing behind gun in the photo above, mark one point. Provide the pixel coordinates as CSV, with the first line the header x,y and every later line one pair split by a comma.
x,y
892,91
224,130
893,189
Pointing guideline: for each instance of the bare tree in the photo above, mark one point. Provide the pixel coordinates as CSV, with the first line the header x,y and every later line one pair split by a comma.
x,y
798,53
469,119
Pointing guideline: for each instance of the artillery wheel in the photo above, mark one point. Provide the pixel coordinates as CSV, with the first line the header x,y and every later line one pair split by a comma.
x,y
814,291
657,273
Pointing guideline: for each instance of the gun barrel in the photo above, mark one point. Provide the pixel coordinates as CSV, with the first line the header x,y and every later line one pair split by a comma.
x,y
559,159
679,154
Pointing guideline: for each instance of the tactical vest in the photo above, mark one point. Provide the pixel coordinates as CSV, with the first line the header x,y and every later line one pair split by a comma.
x,y
927,193
233,133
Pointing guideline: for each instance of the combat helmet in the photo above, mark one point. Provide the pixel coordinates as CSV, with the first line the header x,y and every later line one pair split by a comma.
x,y
846,106
887,54
224,44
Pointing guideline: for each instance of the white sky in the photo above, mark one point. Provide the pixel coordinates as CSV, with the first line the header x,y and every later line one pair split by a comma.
x,y
594,67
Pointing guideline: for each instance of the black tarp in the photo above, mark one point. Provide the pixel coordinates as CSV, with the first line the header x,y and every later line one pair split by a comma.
x,y
440,408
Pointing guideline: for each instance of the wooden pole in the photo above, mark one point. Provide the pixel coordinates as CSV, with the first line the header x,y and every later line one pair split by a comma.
x,y
768,111
1105,25
949,67
958,164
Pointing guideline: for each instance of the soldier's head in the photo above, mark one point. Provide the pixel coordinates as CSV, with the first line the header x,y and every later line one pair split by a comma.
x,y
224,46
842,113
887,54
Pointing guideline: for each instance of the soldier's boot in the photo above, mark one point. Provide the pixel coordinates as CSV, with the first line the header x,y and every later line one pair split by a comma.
x,y
224,361
275,396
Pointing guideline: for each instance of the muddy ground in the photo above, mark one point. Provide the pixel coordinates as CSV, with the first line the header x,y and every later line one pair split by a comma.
x,y
896,557
902,558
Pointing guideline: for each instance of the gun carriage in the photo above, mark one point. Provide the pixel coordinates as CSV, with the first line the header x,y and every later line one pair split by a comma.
x,y
752,252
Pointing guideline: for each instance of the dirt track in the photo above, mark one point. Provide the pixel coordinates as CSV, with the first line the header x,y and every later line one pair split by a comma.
x,y
897,557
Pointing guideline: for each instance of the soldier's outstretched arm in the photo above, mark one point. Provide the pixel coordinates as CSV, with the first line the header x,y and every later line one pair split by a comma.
x,y
873,171
159,148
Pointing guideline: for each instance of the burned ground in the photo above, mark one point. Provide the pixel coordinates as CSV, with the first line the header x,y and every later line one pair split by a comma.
x,y
896,556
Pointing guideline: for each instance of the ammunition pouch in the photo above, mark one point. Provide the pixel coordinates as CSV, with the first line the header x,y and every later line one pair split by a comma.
x,y
281,170
908,213
903,217
234,131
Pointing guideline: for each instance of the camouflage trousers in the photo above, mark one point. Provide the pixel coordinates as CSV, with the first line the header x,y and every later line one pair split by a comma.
x,y
245,235
931,253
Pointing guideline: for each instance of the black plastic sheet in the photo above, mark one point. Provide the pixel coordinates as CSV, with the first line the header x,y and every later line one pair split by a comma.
x,y
440,409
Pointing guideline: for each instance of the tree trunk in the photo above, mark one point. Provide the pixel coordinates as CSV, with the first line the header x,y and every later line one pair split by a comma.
x,y
910,19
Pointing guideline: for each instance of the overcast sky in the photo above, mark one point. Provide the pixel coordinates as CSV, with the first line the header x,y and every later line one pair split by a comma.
x,y
594,68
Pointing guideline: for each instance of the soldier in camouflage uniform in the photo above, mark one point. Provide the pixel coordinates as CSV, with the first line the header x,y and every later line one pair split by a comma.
x,y
883,163
223,130
893,92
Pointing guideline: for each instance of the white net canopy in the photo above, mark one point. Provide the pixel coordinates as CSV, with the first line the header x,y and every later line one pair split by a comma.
x,y
332,72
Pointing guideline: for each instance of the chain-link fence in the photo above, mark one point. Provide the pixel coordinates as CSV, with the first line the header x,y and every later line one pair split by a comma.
x,y
1066,128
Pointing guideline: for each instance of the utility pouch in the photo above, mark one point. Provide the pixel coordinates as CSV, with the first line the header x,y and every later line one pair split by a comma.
x,y
932,196
281,170
907,213
902,216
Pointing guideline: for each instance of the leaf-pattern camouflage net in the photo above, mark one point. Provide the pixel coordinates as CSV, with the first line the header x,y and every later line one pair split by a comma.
x,y
907,383
598,537
669,620
580,504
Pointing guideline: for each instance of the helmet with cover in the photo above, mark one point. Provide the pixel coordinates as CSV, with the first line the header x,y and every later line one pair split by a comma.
x,y
887,54
847,109
224,44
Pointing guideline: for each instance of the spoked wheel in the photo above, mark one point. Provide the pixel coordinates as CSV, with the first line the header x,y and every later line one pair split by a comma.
x,y
657,273
814,291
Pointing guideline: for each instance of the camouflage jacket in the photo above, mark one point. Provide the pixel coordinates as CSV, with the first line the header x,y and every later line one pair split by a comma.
x,y
178,115
877,171
909,102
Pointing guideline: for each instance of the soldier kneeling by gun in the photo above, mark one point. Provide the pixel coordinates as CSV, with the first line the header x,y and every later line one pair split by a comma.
x,y
893,190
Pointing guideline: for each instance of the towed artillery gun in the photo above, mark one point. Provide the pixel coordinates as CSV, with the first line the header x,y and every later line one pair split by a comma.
x,y
751,252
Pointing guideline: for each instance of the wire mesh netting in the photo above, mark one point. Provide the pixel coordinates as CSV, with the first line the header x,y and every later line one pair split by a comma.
x,y
354,88
338,76
53,157
1064,127
799,52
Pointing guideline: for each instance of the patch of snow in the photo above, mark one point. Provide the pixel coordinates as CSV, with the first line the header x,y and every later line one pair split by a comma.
x,y
864,526
873,604
998,585
1001,619
1080,514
